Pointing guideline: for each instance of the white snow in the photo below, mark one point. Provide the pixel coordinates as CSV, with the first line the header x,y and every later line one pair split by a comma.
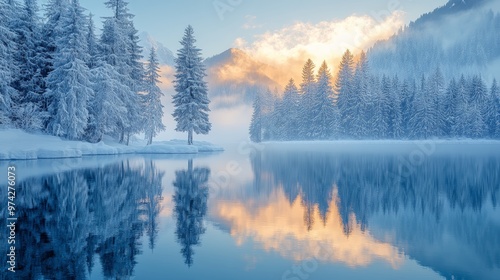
x,y
16,144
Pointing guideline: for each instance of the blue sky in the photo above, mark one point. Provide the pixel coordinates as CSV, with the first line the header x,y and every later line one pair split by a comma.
x,y
218,23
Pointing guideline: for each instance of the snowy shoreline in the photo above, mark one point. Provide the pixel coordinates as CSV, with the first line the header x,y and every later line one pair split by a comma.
x,y
16,144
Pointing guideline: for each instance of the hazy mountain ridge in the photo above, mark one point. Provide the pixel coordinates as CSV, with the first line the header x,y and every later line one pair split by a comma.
x,y
434,41
165,55
450,8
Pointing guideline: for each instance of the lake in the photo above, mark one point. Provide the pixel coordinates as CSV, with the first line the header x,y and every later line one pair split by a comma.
x,y
278,211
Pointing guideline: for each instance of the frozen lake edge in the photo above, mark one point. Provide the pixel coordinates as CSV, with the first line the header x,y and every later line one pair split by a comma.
x,y
16,144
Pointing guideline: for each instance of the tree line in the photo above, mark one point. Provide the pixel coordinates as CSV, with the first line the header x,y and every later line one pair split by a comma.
x,y
59,77
359,104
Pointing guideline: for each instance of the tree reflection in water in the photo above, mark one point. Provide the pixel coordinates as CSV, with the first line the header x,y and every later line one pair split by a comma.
x,y
190,198
67,219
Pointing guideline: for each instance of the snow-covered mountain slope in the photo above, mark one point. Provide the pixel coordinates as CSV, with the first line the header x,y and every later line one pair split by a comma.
x,y
461,37
165,56
453,7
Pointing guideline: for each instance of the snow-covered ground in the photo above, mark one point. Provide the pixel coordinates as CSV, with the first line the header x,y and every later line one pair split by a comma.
x,y
16,144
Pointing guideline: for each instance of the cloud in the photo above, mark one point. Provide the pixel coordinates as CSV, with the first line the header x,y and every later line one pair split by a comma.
x,y
250,23
289,47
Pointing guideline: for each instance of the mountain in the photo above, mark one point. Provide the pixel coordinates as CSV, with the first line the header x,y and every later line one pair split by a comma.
x,y
453,7
234,77
461,37
165,56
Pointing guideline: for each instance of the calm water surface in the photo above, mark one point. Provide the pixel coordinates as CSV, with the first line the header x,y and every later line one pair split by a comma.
x,y
274,213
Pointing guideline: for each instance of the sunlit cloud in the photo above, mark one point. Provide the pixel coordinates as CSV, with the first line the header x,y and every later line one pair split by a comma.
x,y
278,226
288,48
250,23
166,77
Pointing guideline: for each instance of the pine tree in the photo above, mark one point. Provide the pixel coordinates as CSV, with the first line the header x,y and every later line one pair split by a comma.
x,y
28,80
290,107
256,126
495,93
106,108
478,104
361,88
423,122
269,101
344,90
407,95
92,44
451,104
191,100
490,111
51,32
119,49
397,130
69,83
153,108
461,109
373,114
436,92
278,119
307,92
322,109
385,117
7,66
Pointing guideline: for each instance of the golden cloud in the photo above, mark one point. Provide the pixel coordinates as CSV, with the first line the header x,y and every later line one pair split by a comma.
x,y
287,49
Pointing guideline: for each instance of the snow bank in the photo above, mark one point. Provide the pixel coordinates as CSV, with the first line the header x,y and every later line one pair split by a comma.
x,y
16,144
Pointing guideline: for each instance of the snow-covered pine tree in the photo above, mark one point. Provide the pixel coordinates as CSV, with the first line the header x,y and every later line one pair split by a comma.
x,y
495,93
153,109
256,124
423,122
7,47
436,93
137,77
461,109
106,108
191,100
120,50
451,104
344,90
385,126
322,106
69,83
28,80
397,130
50,31
290,105
269,101
307,94
407,95
490,112
277,120
373,115
478,98
361,88
92,44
